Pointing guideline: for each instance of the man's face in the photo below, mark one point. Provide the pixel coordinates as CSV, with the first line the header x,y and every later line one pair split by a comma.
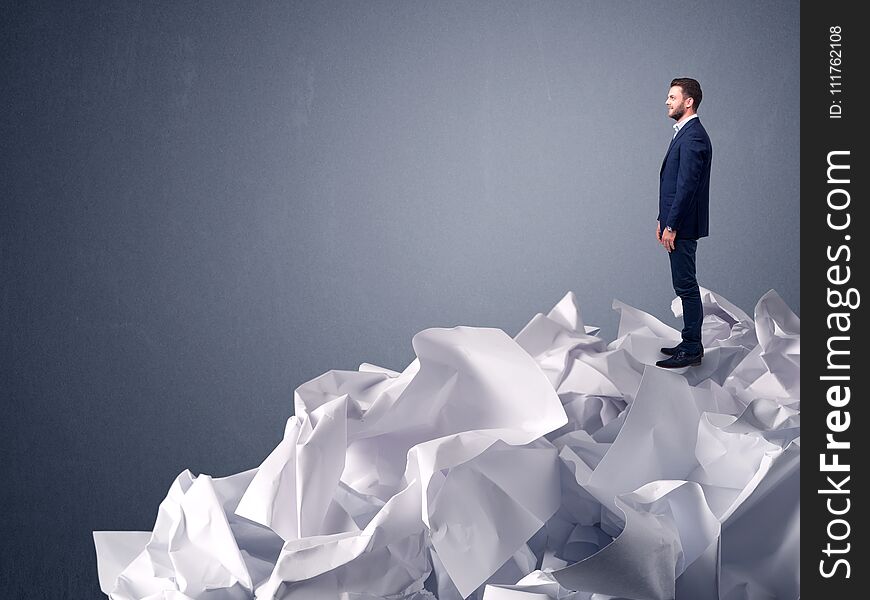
x,y
676,103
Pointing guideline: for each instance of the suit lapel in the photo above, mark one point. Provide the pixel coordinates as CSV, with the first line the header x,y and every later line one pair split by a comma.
x,y
674,141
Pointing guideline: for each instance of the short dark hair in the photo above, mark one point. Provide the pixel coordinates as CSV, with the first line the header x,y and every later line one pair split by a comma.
x,y
691,89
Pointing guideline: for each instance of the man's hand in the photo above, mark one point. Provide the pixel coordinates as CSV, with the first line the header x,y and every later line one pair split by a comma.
x,y
658,232
668,238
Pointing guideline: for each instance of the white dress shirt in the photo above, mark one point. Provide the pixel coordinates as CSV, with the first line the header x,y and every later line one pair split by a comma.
x,y
679,125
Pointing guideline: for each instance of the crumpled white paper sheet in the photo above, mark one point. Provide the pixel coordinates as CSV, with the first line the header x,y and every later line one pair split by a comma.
x,y
551,465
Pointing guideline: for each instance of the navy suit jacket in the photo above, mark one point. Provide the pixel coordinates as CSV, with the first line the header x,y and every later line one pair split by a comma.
x,y
684,185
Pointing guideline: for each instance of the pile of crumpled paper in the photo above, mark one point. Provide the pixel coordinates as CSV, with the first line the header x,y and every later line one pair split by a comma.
x,y
550,465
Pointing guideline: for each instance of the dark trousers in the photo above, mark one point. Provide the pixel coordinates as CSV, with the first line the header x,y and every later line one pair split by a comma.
x,y
686,287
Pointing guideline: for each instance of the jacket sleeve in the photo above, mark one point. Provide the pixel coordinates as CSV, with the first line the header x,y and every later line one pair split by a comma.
x,y
693,154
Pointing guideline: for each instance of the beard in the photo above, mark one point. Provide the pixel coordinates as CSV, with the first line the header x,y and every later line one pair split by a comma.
x,y
678,113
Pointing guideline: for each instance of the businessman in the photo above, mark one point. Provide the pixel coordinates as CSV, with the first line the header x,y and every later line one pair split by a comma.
x,y
684,203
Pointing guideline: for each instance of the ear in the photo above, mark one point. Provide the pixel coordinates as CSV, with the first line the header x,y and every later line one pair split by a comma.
x,y
690,103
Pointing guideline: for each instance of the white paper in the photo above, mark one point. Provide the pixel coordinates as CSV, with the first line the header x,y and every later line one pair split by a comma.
x,y
552,465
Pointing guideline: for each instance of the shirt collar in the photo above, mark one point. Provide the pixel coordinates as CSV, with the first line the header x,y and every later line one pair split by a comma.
x,y
681,124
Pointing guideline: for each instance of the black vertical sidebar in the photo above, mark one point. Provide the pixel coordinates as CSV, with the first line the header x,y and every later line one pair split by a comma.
x,y
835,368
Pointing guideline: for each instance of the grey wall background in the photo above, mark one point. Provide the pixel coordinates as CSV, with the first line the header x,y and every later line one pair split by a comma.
x,y
206,204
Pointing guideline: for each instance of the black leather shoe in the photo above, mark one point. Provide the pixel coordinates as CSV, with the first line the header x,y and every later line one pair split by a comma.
x,y
674,350
680,360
